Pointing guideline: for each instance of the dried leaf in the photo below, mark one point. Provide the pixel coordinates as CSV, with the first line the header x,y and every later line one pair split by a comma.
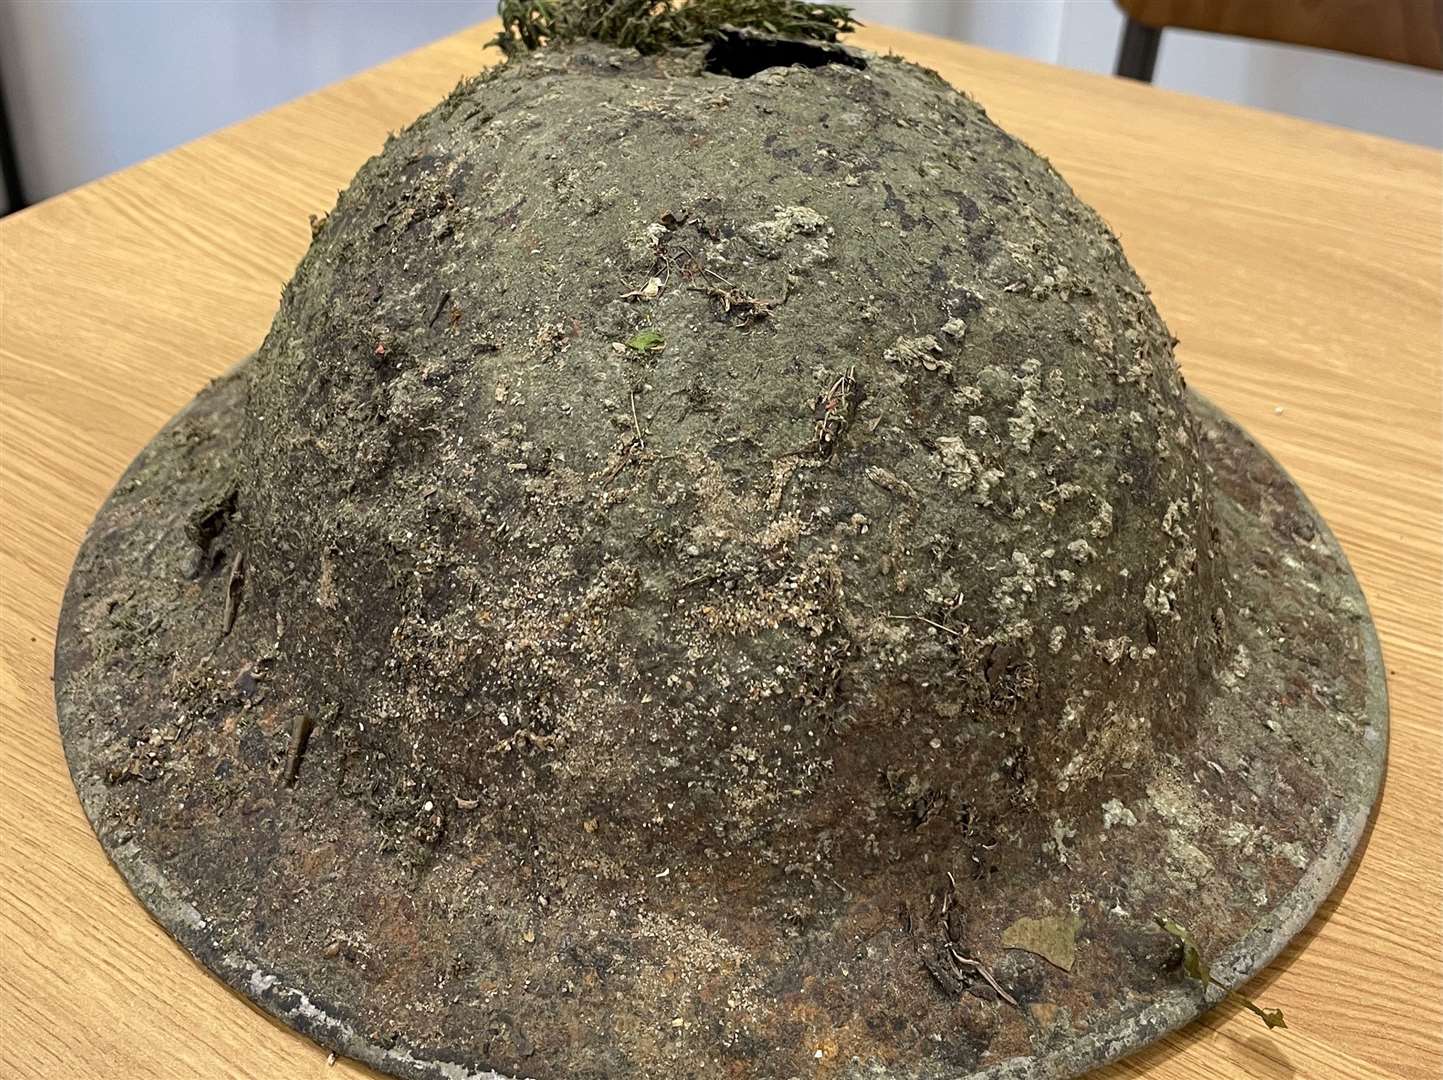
x,y
1196,966
1272,1017
650,291
647,340
1192,961
1054,939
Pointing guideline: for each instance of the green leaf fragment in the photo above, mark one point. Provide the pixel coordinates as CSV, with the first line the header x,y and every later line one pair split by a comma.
x,y
647,340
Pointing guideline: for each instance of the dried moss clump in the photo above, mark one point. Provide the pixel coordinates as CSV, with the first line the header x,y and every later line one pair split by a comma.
x,y
650,26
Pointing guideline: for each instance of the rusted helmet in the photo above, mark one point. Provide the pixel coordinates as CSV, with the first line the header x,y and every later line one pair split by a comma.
x,y
714,571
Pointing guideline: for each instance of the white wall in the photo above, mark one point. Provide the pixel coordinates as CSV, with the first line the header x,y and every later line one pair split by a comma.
x,y
1370,95
94,85
1023,27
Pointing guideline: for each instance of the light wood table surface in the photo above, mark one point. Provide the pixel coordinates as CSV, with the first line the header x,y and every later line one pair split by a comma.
x,y
1299,265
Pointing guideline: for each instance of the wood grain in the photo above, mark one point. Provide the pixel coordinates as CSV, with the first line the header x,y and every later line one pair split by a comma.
x,y
1299,265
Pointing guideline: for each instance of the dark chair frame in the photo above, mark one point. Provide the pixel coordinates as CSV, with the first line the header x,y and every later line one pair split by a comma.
x,y
1137,57
9,165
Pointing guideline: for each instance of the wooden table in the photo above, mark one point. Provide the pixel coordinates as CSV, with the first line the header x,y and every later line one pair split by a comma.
x,y
1299,265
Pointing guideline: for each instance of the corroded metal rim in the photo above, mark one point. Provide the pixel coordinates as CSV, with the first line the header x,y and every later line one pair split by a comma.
x,y
1109,1036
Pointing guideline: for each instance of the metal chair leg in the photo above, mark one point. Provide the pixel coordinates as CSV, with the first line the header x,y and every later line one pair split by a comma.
x,y
9,167
1137,56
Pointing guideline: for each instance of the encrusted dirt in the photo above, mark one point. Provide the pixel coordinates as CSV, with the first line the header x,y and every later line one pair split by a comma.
x,y
702,558
533,519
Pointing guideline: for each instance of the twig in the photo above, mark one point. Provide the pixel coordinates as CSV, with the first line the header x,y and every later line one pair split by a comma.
x,y
730,295
929,622
709,576
635,423
300,733
982,969
441,303
234,582
834,409
949,894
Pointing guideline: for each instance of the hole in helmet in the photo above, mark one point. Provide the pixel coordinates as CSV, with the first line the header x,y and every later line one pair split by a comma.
x,y
741,55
